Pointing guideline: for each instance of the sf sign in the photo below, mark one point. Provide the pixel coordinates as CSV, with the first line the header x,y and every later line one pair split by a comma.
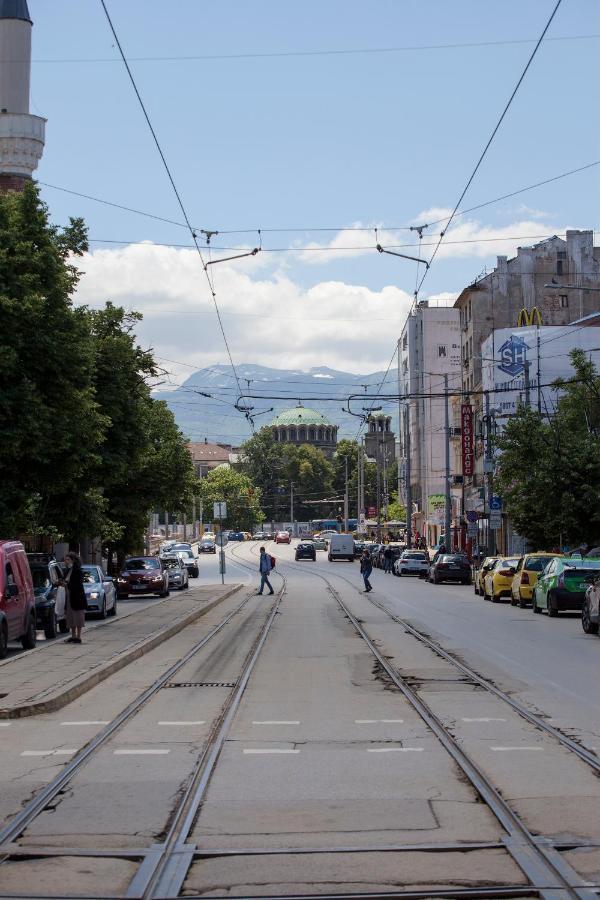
x,y
466,429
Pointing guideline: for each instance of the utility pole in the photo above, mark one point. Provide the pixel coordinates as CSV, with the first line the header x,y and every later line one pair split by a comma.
x,y
358,468
194,534
361,499
408,479
346,495
526,365
489,468
448,509
292,506
378,488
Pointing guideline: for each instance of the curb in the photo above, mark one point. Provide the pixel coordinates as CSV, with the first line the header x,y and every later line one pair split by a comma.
x,y
104,670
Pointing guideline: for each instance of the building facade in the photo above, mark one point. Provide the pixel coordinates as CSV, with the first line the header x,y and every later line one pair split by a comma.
x,y
301,425
428,350
207,456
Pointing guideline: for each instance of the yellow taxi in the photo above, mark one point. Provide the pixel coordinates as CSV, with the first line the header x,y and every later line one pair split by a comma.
x,y
498,581
528,571
482,571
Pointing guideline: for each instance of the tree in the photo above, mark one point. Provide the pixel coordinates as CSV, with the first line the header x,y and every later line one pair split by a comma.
x,y
238,491
312,475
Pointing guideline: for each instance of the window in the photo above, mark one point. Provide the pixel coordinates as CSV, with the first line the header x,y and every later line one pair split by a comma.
x,y
564,301
10,578
559,267
405,341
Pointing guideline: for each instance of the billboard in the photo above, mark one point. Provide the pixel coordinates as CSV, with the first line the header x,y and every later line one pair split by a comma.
x,y
466,438
507,352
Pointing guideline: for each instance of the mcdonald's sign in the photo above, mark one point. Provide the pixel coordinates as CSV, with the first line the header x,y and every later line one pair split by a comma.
x,y
529,317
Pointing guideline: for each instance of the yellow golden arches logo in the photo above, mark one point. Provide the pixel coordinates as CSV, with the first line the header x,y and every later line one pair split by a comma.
x,y
529,317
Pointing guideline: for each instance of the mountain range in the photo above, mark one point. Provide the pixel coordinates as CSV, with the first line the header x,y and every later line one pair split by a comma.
x,y
204,405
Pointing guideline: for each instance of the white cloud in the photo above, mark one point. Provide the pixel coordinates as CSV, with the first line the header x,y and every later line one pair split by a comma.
x,y
268,317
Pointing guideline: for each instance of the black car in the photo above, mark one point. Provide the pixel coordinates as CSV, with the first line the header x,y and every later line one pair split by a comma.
x,y
450,567
46,574
306,550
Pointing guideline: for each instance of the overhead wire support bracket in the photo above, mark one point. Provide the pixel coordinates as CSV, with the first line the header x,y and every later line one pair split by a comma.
x,y
212,262
402,255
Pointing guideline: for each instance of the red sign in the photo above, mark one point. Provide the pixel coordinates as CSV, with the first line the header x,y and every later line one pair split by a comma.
x,y
466,428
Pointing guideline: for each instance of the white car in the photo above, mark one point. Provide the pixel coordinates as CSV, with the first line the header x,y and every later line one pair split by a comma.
x,y
411,562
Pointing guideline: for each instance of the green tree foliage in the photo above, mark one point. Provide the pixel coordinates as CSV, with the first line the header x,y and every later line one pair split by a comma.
x,y
240,494
312,474
549,470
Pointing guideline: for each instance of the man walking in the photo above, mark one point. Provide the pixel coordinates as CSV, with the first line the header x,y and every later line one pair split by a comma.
x,y
264,567
366,567
388,559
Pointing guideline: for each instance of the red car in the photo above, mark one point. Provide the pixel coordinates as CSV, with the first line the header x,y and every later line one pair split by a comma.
x,y
283,537
143,575
17,600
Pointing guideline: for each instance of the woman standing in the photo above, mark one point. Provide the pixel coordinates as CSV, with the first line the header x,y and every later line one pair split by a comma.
x,y
76,598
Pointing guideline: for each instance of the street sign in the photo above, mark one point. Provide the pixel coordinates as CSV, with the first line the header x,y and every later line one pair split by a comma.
x,y
496,503
472,515
220,510
472,529
221,539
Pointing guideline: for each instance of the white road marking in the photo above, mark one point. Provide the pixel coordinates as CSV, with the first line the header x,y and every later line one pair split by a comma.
x,y
196,722
147,752
49,752
275,722
394,749
274,750
376,721
87,722
516,748
4,724
483,720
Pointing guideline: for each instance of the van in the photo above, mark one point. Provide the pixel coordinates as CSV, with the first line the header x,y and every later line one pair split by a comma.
x,y
341,546
17,600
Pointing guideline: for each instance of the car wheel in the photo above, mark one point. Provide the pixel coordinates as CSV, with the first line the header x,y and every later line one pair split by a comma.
x,y
3,640
513,601
102,613
536,609
495,599
467,581
522,603
586,623
552,605
28,640
50,627
62,626
113,610
164,593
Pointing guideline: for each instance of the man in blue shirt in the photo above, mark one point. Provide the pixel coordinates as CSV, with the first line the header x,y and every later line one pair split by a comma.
x,y
264,567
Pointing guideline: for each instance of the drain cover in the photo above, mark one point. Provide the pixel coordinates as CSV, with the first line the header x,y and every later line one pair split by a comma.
x,y
200,684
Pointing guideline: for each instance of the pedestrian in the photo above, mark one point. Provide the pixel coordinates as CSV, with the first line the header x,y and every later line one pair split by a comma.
x,y
366,567
264,567
388,559
76,600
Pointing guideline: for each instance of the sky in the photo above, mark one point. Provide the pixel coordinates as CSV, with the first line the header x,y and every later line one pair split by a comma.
x,y
378,130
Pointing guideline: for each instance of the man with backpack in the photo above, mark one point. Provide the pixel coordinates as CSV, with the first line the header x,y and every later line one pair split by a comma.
x,y
264,567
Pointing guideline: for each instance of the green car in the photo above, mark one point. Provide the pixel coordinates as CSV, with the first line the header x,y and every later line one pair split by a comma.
x,y
562,584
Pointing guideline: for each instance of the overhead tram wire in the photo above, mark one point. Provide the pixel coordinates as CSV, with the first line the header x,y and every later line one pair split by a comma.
x,y
489,142
172,181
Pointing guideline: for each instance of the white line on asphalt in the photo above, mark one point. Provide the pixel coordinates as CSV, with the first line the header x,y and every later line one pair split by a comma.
x,y
376,721
194,722
48,752
89,722
271,751
483,720
4,724
516,748
394,749
276,722
141,752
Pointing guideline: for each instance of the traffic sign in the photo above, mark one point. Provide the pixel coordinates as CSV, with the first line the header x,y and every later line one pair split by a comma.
x,y
472,515
221,539
496,503
220,510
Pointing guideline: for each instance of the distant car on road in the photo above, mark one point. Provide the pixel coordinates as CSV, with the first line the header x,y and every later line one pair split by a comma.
x,y
341,546
236,536
526,576
450,567
498,581
562,585
176,570
207,545
99,591
142,575
411,562
190,562
306,550
486,565
319,543
283,537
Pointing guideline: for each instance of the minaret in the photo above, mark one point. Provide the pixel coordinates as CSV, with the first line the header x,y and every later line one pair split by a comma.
x,y
21,134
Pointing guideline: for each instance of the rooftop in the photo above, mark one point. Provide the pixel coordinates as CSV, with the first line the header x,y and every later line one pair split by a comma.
x,y
14,9
300,415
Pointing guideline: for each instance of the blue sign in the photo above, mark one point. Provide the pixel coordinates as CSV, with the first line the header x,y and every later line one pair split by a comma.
x,y
496,503
513,355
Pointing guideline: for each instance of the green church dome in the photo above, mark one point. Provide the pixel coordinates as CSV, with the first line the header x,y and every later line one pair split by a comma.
x,y
300,415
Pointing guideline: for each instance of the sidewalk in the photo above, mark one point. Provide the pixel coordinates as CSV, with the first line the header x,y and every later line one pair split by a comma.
x,y
46,679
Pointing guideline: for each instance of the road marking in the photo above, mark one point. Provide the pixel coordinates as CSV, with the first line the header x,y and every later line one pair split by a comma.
x,y
271,751
192,722
4,724
516,748
141,752
275,722
394,749
88,722
376,721
483,720
49,752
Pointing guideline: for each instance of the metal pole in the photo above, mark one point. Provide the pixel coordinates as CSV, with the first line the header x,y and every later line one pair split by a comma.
x,y
490,473
408,480
292,505
358,506
527,364
346,495
166,524
194,532
362,478
222,550
378,488
448,510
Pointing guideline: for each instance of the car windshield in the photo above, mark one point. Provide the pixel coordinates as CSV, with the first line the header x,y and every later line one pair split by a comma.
x,y
141,563
536,563
170,563
181,547
187,554
414,556
453,559
507,563
90,575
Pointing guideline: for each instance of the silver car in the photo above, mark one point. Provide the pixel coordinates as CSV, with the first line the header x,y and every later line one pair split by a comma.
x,y
100,592
411,562
176,570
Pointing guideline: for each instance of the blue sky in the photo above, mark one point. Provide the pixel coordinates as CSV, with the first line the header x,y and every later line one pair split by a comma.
x,y
308,141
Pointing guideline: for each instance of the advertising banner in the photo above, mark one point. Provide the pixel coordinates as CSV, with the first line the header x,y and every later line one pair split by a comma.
x,y
466,426
436,507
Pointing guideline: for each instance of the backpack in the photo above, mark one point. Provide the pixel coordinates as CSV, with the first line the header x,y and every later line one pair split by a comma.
x,y
272,562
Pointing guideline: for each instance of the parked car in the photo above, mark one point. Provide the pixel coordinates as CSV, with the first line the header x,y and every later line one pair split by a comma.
x,y
267,536
46,574
487,564
143,575
450,567
258,536
283,537
411,562
359,546
320,543
236,536
190,562
562,585
526,576
207,545
341,546
590,611
166,546
176,570
306,550
100,592
17,600
498,581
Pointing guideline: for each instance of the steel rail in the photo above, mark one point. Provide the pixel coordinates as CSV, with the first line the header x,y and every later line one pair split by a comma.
x,y
37,804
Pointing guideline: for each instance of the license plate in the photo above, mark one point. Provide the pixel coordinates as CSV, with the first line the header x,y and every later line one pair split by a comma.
x,y
455,567
139,587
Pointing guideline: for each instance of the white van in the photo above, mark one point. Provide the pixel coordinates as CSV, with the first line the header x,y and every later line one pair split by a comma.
x,y
341,546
